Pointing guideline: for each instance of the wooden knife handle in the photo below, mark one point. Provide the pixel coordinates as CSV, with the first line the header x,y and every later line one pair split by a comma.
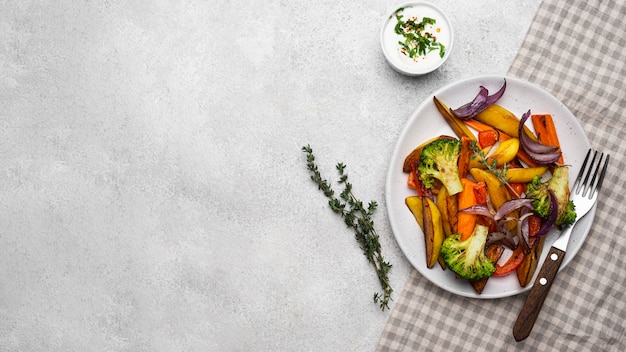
x,y
539,291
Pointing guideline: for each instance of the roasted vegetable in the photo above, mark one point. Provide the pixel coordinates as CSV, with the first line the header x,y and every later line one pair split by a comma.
x,y
438,161
504,153
414,156
527,269
502,119
546,132
466,198
448,207
497,192
542,154
525,174
455,124
467,258
415,205
538,190
514,262
465,156
433,231
428,218
493,252
479,103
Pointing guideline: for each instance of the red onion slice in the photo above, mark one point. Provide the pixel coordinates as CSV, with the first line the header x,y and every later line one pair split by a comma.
x,y
482,101
511,205
544,159
472,108
478,209
497,95
522,232
540,153
493,238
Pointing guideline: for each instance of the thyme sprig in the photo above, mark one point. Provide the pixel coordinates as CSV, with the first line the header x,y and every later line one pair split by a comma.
x,y
491,166
359,218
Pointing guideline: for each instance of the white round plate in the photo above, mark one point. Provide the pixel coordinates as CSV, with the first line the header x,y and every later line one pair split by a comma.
x,y
426,122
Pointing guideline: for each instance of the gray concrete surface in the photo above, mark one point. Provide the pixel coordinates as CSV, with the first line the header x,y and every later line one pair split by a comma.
x,y
154,195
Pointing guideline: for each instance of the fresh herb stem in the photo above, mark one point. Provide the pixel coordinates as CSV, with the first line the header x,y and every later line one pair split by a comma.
x,y
359,218
499,173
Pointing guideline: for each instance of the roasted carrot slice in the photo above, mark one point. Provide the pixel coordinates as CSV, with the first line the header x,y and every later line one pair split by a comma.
x,y
464,157
522,156
488,138
477,125
412,181
546,132
466,198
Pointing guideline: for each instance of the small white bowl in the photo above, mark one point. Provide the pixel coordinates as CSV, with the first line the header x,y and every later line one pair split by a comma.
x,y
421,65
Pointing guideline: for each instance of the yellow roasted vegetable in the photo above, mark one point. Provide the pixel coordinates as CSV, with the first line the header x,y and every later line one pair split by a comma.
x,y
502,119
433,231
507,151
414,203
448,207
497,192
428,217
524,174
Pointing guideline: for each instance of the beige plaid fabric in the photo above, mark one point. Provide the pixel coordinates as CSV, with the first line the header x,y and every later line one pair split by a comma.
x,y
576,50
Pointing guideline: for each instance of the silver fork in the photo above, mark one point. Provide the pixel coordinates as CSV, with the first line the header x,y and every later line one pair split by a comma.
x,y
584,195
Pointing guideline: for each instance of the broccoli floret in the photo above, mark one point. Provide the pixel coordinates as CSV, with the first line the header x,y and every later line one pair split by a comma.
x,y
538,191
559,184
438,160
569,215
467,258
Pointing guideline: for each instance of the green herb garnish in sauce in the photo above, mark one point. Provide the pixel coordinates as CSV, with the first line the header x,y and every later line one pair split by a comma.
x,y
417,41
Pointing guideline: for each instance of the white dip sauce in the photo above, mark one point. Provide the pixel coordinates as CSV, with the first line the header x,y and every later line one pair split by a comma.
x,y
418,64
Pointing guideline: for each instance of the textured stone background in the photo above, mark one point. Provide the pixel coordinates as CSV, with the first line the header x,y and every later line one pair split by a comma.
x,y
153,192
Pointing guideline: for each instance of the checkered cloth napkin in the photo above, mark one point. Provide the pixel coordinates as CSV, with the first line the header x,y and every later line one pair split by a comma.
x,y
576,50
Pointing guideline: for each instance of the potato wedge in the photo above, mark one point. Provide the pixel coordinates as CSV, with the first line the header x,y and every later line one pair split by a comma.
x,y
453,209
497,192
448,207
433,231
502,119
428,218
525,174
527,269
458,126
414,203
507,151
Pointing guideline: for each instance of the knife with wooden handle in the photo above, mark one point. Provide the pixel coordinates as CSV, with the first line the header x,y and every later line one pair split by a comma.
x,y
531,308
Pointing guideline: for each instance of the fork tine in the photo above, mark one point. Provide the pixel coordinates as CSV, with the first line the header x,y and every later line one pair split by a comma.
x,y
592,184
578,184
601,177
591,174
